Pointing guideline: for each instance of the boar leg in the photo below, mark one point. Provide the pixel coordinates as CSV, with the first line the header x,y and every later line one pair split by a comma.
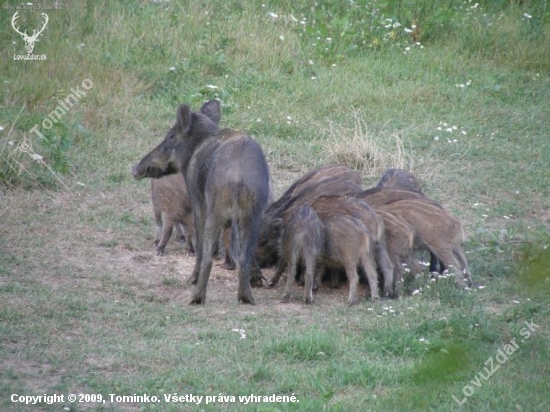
x,y
180,231
434,263
290,277
212,230
397,274
370,271
386,266
447,257
464,270
245,245
168,227
353,279
158,225
189,238
310,274
199,229
256,276
227,236
281,267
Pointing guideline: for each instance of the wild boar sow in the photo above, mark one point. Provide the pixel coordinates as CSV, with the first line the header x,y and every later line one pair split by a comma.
x,y
171,202
228,183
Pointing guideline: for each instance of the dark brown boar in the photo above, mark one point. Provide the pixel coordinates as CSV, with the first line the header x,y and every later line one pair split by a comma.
x,y
275,217
302,242
399,179
171,200
340,241
227,181
377,197
328,207
436,230
229,261
349,245
399,244
332,172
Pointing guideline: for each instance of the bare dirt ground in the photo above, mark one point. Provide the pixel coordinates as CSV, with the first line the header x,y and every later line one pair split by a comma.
x,y
74,239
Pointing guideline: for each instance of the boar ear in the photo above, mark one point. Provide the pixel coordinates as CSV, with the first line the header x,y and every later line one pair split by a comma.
x,y
212,110
184,117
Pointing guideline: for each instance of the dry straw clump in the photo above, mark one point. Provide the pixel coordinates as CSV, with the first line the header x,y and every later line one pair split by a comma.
x,y
368,153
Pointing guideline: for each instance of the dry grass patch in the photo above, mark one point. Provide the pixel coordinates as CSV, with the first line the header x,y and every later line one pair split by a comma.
x,y
372,153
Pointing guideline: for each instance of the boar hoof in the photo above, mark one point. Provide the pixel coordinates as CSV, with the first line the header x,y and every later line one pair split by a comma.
x,y
256,282
286,298
352,302
246,298
308,301
197,300
463,284
160,251
270,284
388,295
228,266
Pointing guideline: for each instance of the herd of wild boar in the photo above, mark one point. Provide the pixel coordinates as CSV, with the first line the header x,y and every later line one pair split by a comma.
x,y
213,185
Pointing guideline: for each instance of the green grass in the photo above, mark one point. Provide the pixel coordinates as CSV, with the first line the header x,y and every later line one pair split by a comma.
x,y
86,307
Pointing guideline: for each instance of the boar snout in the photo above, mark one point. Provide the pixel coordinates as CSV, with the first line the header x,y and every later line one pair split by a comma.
x,y
135,172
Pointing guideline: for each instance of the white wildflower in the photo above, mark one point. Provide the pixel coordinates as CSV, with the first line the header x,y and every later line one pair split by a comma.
x,y
242,332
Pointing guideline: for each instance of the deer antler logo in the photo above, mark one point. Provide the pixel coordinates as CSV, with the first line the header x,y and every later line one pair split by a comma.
x,y
29,41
